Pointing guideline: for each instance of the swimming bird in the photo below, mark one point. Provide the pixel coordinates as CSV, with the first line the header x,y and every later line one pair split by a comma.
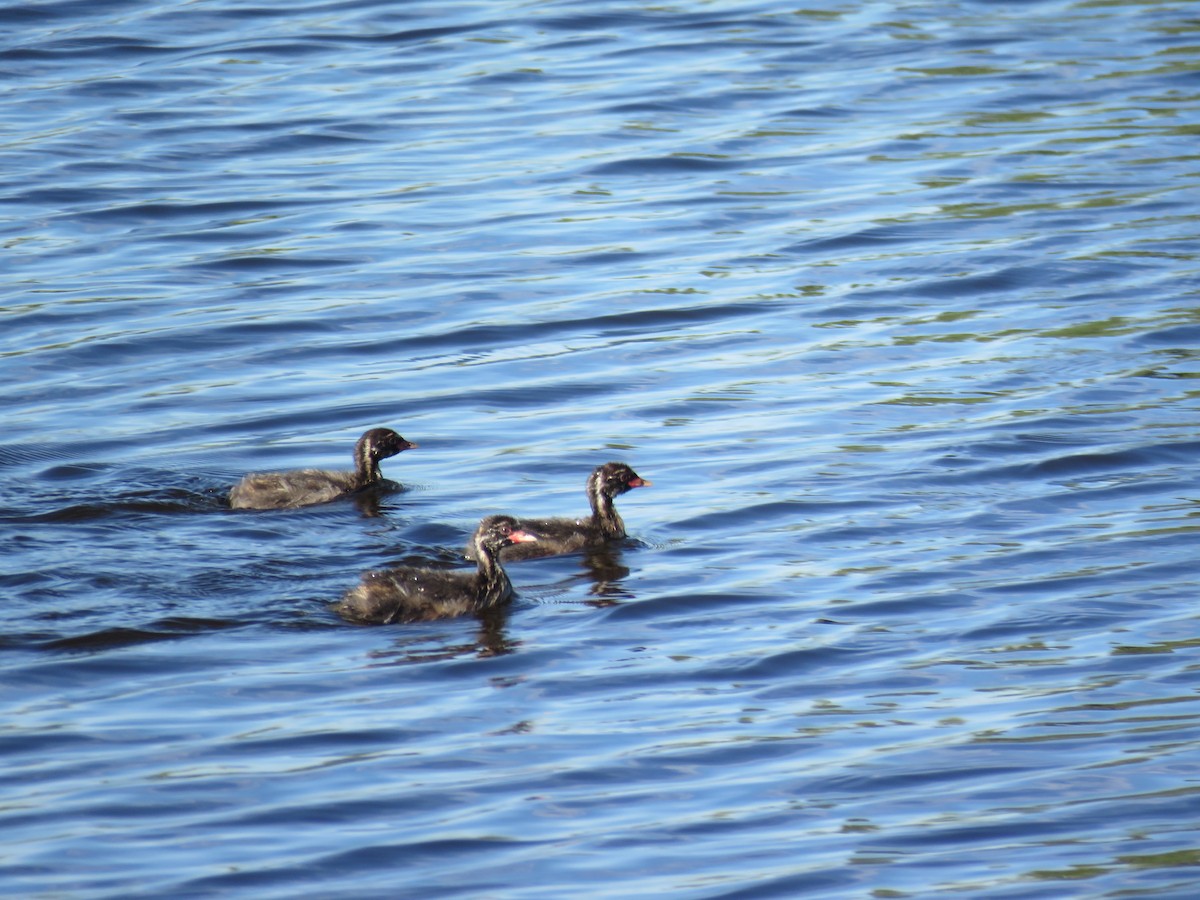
x,y
411,594
305,487
561,535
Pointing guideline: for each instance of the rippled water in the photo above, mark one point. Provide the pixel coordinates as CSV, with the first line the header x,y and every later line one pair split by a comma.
x,y
895,303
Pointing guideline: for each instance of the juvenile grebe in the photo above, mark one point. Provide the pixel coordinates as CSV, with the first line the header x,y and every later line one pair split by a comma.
x,y
558,536
416,595
304,487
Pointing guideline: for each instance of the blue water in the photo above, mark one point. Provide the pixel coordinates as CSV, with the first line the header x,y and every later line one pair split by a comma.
x,y
897,304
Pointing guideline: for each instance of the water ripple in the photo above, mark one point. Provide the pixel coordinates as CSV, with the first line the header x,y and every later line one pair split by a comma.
x,y
893,305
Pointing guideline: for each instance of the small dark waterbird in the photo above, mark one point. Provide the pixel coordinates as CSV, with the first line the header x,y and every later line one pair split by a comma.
x,y
305,487
561,535
411,594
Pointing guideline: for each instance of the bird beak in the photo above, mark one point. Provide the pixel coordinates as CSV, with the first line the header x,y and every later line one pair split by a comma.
x,y
521,537
639,482
409,445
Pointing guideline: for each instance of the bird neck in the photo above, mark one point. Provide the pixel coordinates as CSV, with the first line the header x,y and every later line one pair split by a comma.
x,y
604,514
491,582
366,467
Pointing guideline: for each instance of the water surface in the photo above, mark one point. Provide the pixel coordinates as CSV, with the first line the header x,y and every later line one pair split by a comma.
x,y
895,303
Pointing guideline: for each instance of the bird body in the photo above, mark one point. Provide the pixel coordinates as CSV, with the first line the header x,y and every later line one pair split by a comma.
x,y
306,487
411,594
557,536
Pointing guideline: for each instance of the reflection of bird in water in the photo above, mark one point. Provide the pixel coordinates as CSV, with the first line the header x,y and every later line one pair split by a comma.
x,y
606,573
490,640
600,575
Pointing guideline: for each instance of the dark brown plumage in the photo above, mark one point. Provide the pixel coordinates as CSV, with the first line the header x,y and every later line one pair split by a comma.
x,y
558,536
305,487
411,594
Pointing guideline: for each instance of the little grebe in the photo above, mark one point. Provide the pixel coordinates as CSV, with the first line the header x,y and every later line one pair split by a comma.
x,y
558,536
289,490
418,595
